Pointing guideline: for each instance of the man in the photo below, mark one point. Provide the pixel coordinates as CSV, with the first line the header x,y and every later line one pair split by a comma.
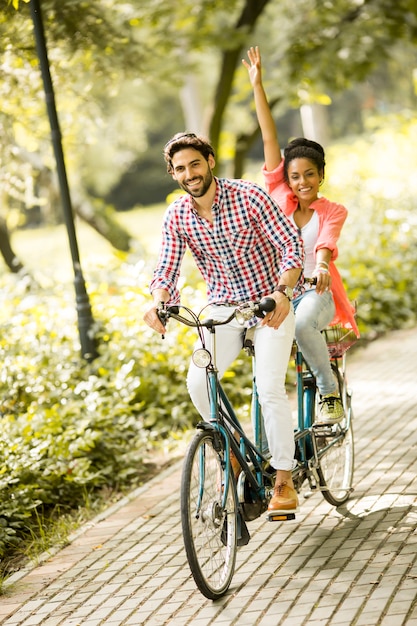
x,y
245,249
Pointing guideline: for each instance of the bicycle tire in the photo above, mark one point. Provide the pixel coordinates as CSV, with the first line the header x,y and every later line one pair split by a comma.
x,y
336,463
209,529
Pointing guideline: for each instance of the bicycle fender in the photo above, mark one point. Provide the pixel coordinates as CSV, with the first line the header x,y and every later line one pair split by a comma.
x,y
243,535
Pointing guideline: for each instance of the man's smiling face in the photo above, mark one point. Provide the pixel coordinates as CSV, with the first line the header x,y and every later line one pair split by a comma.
x,y
192,171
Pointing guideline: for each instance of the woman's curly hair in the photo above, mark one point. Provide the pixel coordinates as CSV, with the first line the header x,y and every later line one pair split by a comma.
x,y
302,148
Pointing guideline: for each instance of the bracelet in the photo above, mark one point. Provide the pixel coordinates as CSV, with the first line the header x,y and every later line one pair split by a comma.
x,y
321,270
323,263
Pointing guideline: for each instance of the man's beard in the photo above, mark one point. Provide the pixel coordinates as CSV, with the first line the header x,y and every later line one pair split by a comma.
x,y
206,182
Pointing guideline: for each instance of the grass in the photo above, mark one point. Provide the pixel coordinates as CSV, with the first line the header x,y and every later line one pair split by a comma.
x,y
45,251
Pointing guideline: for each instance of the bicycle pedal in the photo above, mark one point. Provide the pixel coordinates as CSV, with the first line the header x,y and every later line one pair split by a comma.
x,y
280,517
323,430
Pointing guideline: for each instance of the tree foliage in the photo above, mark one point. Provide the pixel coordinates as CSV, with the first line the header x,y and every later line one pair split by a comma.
x,y
120,70
320,49
339,42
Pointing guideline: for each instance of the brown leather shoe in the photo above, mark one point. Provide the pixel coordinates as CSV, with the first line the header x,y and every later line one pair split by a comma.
x,y
235,465
284,500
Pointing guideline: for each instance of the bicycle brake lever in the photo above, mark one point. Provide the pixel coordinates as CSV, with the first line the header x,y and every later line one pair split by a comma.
x,y
163,311
162,314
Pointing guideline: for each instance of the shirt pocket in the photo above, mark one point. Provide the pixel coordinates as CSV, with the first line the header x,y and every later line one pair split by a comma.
x,y
242,241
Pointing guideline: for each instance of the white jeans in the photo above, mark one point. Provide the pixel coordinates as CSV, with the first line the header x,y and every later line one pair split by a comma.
x,y
273,349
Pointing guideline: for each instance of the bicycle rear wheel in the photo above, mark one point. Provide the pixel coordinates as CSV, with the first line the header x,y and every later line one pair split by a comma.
x,y
335,446
209,524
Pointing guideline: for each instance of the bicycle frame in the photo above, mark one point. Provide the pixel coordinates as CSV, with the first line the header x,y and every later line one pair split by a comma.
x,y
223,419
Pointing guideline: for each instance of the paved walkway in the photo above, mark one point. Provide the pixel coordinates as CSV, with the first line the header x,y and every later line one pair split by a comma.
x,y
356,565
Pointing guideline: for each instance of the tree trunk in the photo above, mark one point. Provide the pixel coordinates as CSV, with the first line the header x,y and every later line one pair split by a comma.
x,y
315,122
101,217
10,258
247,20
96,213
191,105
244,142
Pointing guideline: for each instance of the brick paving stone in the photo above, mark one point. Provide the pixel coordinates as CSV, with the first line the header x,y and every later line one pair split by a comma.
x,y
343,617
392,620
367,618
267,620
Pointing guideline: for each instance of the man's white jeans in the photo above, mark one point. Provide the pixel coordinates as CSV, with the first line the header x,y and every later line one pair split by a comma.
x,y
272,349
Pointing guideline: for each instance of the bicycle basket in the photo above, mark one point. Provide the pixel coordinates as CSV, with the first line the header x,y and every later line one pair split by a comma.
x,y
339,339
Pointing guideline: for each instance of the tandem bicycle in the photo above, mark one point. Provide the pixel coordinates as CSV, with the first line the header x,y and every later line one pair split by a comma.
x,y
215,506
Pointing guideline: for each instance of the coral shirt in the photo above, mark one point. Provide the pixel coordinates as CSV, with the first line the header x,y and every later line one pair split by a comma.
x,y
331,219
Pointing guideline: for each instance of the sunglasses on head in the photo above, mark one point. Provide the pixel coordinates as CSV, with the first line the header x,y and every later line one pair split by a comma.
x,y
178,138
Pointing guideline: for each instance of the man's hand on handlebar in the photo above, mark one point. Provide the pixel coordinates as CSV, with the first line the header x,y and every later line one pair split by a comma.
x,y
277,316
152,319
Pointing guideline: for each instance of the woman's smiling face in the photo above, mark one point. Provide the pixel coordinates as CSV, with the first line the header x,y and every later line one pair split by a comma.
x,y
304,179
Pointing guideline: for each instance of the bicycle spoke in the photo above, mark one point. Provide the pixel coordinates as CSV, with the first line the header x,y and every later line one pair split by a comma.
x,y
209,518
335,447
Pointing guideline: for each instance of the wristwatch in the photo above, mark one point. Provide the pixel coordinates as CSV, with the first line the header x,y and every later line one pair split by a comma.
x,y
286,290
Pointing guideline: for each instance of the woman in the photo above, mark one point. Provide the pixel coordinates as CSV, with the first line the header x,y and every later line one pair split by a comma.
x,y
294,182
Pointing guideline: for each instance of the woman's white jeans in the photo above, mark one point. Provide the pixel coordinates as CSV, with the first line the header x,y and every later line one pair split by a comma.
x,y
272,349
313,312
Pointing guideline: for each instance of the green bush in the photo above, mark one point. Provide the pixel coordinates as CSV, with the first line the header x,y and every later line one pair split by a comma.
x,y
70,427
373,176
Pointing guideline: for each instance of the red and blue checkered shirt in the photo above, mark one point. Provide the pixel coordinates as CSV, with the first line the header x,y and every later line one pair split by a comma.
x,y
241,255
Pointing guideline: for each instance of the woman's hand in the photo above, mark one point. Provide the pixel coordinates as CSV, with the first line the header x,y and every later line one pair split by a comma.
x,y
254,69
324,280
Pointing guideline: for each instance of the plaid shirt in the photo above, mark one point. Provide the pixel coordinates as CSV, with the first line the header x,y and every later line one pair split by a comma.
x,y
241,255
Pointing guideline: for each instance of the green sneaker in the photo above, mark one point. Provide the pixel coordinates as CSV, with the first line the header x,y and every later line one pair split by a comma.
x,y
331,409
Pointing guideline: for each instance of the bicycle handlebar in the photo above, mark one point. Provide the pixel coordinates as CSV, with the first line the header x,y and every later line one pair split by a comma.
x,y
243,312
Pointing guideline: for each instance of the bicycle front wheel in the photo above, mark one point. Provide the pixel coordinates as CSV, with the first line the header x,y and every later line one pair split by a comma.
x,y
209,519
336,453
